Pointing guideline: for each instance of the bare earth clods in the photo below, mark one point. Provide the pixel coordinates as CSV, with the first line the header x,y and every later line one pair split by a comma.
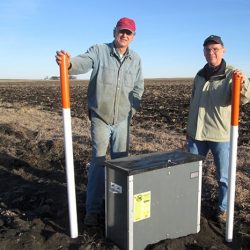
x,y
33,188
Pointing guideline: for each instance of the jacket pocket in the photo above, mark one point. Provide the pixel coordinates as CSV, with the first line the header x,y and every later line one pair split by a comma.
x,y
107,76
128,79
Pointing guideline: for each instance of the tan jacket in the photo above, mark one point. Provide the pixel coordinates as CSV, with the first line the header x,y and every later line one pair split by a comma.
x,y
210,108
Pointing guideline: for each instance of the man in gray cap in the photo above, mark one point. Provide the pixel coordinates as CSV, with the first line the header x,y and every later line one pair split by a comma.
x,y
210,113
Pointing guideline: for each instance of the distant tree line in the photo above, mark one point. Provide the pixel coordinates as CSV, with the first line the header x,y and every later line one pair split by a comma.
x,y
58,77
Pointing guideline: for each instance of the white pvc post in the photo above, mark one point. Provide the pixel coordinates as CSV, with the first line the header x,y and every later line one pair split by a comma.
x,y
233,155
68,148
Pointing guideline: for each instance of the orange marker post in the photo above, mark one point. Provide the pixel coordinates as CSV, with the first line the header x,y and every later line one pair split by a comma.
x,y
64,77
233,154
68,147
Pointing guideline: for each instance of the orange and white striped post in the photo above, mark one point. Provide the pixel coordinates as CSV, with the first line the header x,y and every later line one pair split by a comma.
x,y
233,154
64,77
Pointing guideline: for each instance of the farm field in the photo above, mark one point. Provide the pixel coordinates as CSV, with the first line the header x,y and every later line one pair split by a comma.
x,y
33,190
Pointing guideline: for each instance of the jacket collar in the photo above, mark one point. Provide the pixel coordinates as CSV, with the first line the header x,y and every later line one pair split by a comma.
x,y
213,74
113,51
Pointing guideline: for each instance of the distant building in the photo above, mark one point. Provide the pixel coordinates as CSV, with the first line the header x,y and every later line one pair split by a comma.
x,y
54,78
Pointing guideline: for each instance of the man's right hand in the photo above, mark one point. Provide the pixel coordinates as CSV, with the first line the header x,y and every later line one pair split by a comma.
x,y
59,57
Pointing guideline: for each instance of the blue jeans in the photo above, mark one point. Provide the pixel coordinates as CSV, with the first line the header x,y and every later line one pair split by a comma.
x,y
220,151
104,136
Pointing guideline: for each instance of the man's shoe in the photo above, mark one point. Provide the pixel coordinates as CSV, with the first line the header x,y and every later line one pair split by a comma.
x,y
222,217
91,220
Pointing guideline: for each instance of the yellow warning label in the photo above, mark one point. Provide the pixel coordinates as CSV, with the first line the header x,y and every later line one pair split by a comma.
x,y
142,205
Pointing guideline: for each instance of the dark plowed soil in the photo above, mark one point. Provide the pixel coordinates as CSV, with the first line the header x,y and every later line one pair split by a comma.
x,y
33,188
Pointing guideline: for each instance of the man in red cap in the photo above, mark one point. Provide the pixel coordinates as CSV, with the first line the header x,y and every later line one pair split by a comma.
x,y
114,93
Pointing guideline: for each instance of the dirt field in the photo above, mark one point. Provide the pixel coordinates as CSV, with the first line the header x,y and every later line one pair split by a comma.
x,y
33,190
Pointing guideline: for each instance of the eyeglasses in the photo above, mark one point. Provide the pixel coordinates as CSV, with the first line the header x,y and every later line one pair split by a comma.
x,y
214,50
127,32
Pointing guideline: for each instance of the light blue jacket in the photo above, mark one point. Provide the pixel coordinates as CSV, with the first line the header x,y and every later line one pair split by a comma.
x,y
116,86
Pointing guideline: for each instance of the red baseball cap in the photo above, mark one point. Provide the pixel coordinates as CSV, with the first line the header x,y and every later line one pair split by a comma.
x,y
126,24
